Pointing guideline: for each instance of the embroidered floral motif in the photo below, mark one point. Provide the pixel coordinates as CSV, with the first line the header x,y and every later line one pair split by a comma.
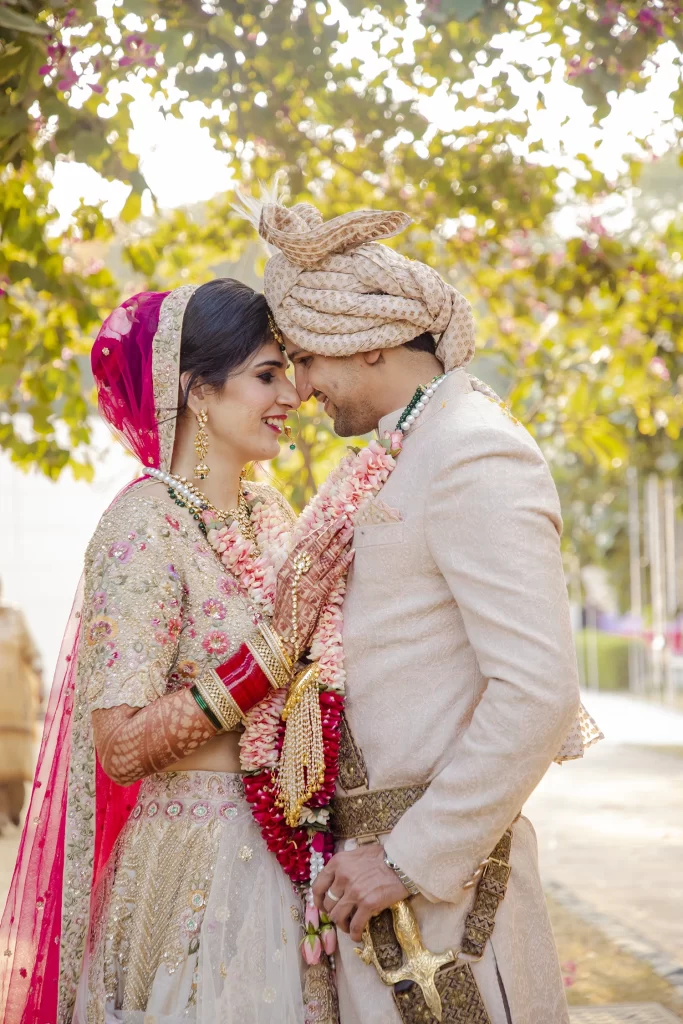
x,y
216,642
228,586
101,629
186,671
122,551
214,609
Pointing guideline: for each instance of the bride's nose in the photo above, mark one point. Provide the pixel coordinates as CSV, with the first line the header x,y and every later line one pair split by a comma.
x,y
289,397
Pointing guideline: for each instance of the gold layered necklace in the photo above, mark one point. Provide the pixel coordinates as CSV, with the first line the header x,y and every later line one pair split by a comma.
x,y
184,489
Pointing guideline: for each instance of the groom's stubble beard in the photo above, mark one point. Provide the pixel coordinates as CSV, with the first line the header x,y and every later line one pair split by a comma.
x,y
354,420
350,392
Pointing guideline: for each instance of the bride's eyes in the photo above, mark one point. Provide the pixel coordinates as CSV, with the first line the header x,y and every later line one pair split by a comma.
x,y
267,377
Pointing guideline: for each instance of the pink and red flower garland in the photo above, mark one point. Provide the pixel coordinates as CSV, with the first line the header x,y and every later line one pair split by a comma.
x,y
359,477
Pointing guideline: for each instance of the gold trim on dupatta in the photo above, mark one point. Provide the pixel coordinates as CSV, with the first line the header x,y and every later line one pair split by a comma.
x,y
166,368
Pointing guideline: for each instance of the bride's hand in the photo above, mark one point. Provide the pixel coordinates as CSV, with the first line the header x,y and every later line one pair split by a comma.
x,y
330,557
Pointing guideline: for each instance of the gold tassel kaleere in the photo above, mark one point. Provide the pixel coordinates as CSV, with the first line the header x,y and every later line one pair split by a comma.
x,y
302,761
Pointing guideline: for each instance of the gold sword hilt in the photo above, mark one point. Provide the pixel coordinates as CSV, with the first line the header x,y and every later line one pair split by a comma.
x,y
419,965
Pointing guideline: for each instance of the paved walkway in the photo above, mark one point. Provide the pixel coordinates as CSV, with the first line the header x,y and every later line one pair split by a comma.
x,y
610,830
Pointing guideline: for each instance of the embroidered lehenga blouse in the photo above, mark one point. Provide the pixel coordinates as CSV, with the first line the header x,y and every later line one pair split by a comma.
x,y
158,609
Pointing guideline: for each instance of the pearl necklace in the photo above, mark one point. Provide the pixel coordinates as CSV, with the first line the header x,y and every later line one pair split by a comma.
x,y
418,402
196,500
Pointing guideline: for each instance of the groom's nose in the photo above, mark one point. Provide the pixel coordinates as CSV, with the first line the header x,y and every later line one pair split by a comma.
x,y
302,383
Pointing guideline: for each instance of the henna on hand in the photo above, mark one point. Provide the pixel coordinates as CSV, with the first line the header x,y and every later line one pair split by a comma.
x,y
132,743
331,558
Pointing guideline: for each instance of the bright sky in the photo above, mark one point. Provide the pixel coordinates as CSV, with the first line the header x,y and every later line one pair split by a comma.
x,y
182,165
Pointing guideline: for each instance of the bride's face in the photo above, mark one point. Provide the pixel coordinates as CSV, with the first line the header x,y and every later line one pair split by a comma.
x,y
248,415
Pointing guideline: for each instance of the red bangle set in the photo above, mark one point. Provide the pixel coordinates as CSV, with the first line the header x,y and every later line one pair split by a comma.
x,y
244,679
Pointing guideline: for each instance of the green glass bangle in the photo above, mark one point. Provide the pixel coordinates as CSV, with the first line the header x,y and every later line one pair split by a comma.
x,y
207,711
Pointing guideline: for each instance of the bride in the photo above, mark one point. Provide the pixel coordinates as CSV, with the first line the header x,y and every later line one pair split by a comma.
x,y
193,612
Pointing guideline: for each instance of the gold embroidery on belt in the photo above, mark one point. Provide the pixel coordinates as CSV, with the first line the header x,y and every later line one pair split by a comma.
x,y
373,813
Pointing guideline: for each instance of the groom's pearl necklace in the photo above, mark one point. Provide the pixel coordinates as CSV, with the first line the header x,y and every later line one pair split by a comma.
x,y
418,402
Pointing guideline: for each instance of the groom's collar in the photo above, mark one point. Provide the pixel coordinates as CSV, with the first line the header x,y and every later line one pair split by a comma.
x,y
458,383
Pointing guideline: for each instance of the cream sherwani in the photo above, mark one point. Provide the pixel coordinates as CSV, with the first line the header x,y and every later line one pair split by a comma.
x,y
461,672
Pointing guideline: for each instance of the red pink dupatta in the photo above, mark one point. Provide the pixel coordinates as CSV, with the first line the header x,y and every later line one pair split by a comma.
x,y
76,812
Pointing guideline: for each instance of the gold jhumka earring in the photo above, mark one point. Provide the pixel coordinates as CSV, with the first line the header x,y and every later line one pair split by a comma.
x,y
201,446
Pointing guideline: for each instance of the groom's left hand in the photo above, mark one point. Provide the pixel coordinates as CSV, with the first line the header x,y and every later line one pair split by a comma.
x,y
364,884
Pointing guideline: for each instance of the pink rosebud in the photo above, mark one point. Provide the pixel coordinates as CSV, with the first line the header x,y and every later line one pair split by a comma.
x,y
312,949
396,438
312,916
328,937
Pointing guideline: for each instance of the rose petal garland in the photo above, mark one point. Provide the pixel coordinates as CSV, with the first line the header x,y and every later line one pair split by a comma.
x,y
301,851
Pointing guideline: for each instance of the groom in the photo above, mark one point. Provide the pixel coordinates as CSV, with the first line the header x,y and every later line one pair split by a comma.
x,y
461,674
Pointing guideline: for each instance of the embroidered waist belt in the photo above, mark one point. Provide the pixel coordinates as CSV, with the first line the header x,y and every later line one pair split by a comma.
x,y
373,813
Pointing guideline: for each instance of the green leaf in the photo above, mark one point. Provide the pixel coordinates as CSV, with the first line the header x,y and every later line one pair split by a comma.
x,y
132,207
21,22
11,61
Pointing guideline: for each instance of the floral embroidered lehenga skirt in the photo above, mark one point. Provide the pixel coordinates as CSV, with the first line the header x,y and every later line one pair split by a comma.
x,y
193,920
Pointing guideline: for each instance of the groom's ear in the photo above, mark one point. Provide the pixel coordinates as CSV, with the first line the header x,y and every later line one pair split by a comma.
x,y
373,357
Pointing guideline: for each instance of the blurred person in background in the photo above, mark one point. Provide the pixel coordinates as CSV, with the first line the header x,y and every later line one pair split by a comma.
x,y
143,889
21,696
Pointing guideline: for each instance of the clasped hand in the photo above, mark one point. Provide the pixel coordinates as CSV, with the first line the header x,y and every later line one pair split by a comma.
x,y
330,558
364,885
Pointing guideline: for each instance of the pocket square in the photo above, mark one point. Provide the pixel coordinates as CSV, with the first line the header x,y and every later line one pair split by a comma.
x,y
377,511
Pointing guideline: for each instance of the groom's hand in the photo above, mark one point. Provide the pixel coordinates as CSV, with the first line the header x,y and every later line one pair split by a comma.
x,y
364,884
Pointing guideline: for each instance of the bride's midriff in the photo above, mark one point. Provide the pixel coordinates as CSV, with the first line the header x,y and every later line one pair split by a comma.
x,y
220,754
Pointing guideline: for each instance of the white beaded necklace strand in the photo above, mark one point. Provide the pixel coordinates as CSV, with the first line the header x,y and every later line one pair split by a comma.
x,y
180,488
418,402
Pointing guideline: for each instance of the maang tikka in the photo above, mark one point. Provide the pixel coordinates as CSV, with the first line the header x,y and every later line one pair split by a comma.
x,y
201,446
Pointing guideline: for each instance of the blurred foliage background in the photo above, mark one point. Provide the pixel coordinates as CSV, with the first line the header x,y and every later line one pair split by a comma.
x,y
582,334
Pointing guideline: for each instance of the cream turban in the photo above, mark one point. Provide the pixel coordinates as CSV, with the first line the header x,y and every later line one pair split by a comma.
x,y
334,290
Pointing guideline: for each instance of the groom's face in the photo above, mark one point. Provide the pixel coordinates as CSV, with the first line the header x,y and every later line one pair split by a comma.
x,y
343,384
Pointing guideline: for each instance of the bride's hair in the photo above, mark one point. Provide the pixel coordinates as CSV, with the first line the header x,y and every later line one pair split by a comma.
x,y
225,323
